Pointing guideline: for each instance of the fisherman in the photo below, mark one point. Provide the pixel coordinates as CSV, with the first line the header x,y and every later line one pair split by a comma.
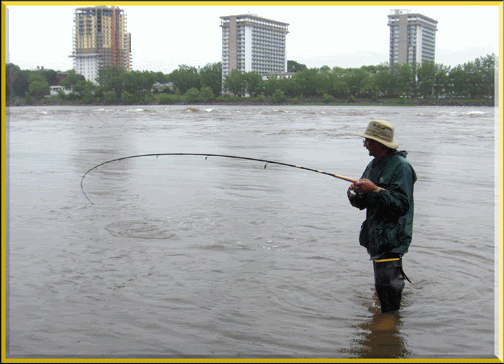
x,y
385,190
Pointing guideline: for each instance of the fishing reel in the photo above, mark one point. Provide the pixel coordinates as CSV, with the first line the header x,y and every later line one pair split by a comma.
x,y
354,196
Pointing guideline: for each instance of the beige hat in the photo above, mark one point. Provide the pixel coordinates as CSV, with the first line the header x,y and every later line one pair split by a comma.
x,y
381,131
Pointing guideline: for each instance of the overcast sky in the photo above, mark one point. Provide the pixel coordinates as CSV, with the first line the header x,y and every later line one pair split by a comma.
x,y
164,37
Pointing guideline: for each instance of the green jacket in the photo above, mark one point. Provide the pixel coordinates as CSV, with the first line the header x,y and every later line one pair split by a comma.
x,y
388,227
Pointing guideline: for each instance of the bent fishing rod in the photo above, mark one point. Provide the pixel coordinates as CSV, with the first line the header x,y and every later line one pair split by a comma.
x,y
206,155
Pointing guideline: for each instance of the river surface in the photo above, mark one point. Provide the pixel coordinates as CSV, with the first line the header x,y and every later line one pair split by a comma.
x,y
187,256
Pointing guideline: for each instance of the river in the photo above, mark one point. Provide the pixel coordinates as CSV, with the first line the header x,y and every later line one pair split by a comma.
x,y
187,256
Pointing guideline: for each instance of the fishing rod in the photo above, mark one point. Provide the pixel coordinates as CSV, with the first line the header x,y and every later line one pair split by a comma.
x,y
206,155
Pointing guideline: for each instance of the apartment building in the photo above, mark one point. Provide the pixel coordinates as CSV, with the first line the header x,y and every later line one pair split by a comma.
x,y
412,37
252,43
100,39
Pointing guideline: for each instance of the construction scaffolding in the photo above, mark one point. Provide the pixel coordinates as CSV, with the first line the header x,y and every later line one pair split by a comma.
x,y
100,39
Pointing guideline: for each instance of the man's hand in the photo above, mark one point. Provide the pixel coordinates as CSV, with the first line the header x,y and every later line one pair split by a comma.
x,y
365,186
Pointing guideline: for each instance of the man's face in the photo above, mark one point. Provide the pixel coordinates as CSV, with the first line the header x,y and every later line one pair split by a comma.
x,y
375,149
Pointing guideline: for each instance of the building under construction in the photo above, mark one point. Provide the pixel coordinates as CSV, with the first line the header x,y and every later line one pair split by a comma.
x,y
100,39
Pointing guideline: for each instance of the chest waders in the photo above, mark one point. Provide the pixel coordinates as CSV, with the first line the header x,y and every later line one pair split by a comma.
x,y
389,282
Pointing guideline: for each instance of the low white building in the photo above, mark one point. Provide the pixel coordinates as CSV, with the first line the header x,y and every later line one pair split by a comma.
x,y
267,76
55,89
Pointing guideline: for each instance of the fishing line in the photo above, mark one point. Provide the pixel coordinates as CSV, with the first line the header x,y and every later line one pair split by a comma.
x,y
206,155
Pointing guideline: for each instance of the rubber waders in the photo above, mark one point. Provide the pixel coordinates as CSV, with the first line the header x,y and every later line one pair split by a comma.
x,y
389,283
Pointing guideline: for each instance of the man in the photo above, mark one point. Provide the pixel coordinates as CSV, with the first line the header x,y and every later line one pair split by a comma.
x,y
385,190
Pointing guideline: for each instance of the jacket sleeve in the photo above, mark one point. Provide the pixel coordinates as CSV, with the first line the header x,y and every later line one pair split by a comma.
x,y
394,202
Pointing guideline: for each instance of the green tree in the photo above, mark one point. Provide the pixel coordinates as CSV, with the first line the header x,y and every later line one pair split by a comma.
x,y
112,78
293,66
211,76
488,71
21,84
441,83
369,86
353,78
254,83
323,82
271,85
71,79
185,78
457,81
235,83
12,72
83,88
481,76
288,86
406,80
325,69
308,82
39,88
387,80
339,85
51,76
426,79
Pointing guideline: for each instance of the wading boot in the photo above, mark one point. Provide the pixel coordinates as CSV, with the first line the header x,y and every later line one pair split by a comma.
x,y
389,283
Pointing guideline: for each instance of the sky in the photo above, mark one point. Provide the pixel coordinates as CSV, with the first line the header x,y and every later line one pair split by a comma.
x,y
332,34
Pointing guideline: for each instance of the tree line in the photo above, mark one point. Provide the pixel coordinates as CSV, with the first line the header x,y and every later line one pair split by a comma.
x,y
475,80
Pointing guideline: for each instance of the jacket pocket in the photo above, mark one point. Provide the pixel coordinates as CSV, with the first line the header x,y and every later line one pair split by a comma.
x,y
391,235
363,235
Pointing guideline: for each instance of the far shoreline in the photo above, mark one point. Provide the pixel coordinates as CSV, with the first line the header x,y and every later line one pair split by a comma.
x,y
310,102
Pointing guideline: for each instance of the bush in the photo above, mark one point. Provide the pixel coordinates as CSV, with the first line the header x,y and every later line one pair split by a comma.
x,y
278,97
206,94
328,98
148,98
61,95
168,99
192,95
351,98
259,98
88,99
109,97
28,98
228,98
126,98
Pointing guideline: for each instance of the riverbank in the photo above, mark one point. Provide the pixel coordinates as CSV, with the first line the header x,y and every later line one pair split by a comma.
x,y
263,101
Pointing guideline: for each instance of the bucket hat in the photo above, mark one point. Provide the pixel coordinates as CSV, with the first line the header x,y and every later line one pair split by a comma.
x,y
381,131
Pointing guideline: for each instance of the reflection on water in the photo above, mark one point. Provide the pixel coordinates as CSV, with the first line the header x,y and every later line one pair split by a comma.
x,y
380,336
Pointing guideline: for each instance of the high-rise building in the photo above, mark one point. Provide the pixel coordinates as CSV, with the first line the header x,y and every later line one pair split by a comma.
x,y
252,43
412,37
100,39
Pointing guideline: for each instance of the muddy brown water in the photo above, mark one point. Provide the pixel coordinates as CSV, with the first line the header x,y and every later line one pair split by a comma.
x,y
194,257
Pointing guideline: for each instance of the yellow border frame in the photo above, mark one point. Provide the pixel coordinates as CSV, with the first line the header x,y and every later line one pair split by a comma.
x,y
500,217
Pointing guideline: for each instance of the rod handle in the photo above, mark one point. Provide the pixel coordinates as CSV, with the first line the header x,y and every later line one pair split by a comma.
x,y
353,180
